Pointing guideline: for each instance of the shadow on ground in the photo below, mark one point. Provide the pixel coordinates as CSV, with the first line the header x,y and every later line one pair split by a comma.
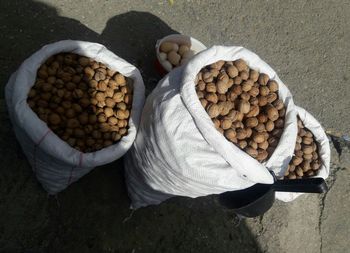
x,y
93,214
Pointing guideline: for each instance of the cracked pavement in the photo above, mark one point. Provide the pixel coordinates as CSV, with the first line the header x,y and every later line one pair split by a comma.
x,y
307,43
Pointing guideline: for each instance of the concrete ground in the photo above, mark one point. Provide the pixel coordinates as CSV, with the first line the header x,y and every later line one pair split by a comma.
x,y
307,43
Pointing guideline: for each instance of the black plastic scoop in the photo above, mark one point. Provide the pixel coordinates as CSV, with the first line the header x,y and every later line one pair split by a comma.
x,y
259,198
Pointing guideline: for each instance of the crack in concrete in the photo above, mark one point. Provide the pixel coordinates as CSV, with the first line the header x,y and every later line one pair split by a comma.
x,y
331,182
338,143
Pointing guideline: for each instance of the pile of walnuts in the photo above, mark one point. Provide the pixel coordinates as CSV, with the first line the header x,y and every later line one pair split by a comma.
x,y
306,161
85,103
243,105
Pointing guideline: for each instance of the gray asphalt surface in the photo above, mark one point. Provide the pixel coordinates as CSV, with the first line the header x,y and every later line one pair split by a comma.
x,y
307,43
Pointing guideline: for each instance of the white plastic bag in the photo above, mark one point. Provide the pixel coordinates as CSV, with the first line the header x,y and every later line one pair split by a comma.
x,y
54,162
178,151
324,151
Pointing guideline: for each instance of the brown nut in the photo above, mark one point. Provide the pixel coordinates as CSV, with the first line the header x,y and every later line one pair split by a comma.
x,y
121,106
264,90
315,165
301,132
241,65
310,173
242,144
292,175
260,127
110,102
273,85
263,79
216,65
307,149
237,124
78,132
271,97
226,124
211,88
201,85
211,97
272,113
297,147
262,155
237,89
254,92
200,94
222,97
251,122
207,77
299,171
253,144
278,104
120,79
277,132
305,165
237,80
273,141
262,101
108,112
116,136
247,85
282,112
230,134
307,157
72,123
101,86
122,114
244,106
291,167
213,110
253,75
241,134
122,131
249,132
269,126
296,160
254,111
118,97
307,140
245,96
233,115
258,137
174,58
263,145
204,102
89,73
254,101
232,71
54,119
221,87
216,122
102,117
70,113
251,151
100,96
299,139
279,123
262,118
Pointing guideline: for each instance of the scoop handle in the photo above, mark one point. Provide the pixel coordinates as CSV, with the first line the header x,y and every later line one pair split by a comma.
x,y
309,185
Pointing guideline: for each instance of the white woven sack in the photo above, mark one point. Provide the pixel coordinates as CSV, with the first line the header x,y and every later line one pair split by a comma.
x,y
324,151
178,151
54,162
